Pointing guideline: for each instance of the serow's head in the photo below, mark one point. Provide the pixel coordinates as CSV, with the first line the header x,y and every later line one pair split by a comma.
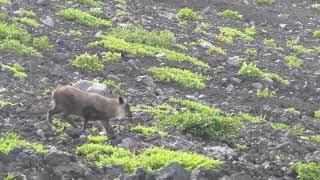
x,y
124,109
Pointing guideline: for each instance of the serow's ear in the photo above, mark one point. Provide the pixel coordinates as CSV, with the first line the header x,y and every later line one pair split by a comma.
x,y
121,100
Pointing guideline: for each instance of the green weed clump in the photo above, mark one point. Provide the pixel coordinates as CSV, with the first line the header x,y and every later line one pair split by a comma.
x,y
163,39
248,117
230,14
293,61
96,12
278,78
84,18
251,52
152,158
42,43
317,114
296,129
315,6
28,13
266,2
17,69
75,33
216,50
5,2
112,57
118,88
271,43
184,77
96,139
292,111
3,16
14,46
10,176
229,33
29,22
307,171
122,13
87,2
117,44
294,45
6,103
60,126
265,93
10,140
11,31
314,138
188,15
203,27
199,120
316,33
147,131
87,61
241,147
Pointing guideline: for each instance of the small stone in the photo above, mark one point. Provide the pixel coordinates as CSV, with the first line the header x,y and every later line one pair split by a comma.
x,y
268,80
82,85
133,64
191,97
161,55
206,44
44,125
73,132
40,133
98,34
219,152
202,96
229,88
146,79
48,21
158,92
257,85
282,25
232,60
113,78
99,88
126,143
236,80
318,90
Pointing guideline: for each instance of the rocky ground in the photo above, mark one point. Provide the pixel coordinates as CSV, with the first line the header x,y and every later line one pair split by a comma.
x,y
269,151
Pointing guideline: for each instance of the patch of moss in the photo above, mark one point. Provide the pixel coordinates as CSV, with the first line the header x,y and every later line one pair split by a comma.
x,y
265,2
251,52
203,27
112,57
59,126
147,131
28,13
42,43
217,50
229,33
96,139
14,46
184,77
293,61
10,140
188,15
296,129
84,18
271,43
294,45
6,103
75,33
241,147
230,14
122,13
314,138
87,61
96,12
10,176
316,6
317,114
265,93
307,171
11,31
248,117
17,69
29,22
292,111
5,2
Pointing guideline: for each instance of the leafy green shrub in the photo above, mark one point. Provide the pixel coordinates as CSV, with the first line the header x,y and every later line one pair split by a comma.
x,y
203,27
271,43
188,15
96,12
163,39
10,176
17,69
11,31
147,131
84,18
216,50
6,103
307,171
316,6
266,2
230,33
251,52
14,46
5,2
122,13
230,14
29,22
88,2
10,140
3,16
118,88
153,158
59,126
314,138
88,62
265,93
182,76
42,43
199,120
247,117
117,44
97,139
251,70
296,129
316,33
241,147
28,13
112,57
277,77
75,33
293,61
317,114
294,45
292,111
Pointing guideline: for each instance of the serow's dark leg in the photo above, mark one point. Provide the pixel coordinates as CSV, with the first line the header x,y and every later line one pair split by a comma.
x,y
108,129
50,113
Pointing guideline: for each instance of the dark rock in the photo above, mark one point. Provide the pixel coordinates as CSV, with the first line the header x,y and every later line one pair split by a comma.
x,y
173,171
28,160
112,171
113,78
140,174
73,132
203,174
237,176
71,170
56,157
147,80
126,143
43,125
133,64
43,2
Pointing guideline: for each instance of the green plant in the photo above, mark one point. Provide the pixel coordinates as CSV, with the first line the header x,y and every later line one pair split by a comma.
x,y
251,70
265,93
88,62
252,119
28,13
122,13
229,33
316,6
163,39
97,139
75,33
241,147
5,2
10,176
14,46
230,14
293,61
296,129
292,111
203,27
84,18
11,31
182,76
88,2
216,50
17,69
42,43
294,45
314,138
3,16
199,120
59,126
29,22
277,77
316,33
118,88
266,2
307,171
271,43
112,57
6,103
117,44
188,15
317,114
96,11
10,140
147,131
251,52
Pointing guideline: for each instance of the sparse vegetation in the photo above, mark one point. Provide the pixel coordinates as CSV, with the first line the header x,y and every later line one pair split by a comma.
x,y
230,14
251,52
6,103
293,61
296,129
316,6
241,147
252,119
59,126
87,2
307,171
11,31
16,68
317,114
10,140
292,111
294,45
271,43
84,18
96,139
96,12
265,2
75,33
14,46
28,13
112,57
10,176
228,34
42,43
265,93
182,76
5,2
216,50
122,13
316,33
313,138
147,131
87,61
29,22
188,15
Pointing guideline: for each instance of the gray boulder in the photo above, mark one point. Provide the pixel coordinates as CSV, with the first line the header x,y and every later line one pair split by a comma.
x,y
99,89
82,85
173,171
